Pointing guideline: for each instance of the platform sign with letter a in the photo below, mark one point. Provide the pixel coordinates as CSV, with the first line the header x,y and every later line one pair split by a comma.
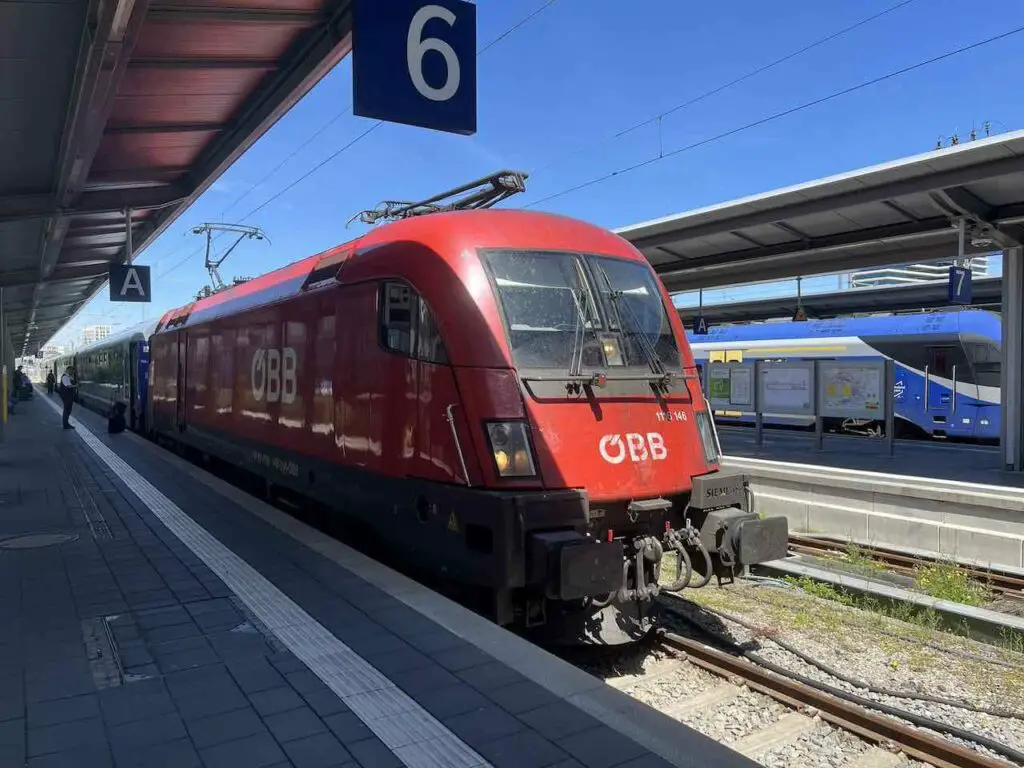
x,y
700,326
129,282
959,285
414,62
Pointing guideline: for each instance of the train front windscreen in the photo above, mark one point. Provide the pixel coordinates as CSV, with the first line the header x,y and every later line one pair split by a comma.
x,y
582,313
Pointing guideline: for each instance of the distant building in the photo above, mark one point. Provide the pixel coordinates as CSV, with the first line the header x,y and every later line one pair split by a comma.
x,y
906,274
93,333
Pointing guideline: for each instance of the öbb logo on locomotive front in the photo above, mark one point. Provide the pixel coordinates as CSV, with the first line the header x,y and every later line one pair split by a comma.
x,y
614,449
274,374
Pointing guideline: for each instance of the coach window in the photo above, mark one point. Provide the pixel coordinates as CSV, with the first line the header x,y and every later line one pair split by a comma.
x,y
408,326
939,362
986,360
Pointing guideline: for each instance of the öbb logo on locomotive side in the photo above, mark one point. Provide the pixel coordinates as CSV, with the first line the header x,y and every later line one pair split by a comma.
x,y
274,374
615,448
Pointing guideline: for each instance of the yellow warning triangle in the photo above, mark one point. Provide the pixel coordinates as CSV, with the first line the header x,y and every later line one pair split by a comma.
x,y
453,524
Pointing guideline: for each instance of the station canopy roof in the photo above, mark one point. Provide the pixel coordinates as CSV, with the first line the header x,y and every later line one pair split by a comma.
x,y
108,105
895,213
986,294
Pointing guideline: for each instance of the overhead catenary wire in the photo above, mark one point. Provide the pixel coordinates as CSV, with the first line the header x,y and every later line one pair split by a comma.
x,y
562,157
777,116
513,28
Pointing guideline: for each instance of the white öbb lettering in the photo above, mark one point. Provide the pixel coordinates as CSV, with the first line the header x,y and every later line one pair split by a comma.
x,y
615,448
274,374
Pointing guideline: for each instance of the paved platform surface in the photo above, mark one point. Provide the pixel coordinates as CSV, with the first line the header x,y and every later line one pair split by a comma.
x,y
181,626
915,458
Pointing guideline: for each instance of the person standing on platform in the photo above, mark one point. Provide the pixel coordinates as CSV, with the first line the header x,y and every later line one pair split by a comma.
x,y
50,382
67,394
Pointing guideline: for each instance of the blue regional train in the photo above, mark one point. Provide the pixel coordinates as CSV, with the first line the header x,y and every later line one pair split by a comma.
x,y
114,370
947,366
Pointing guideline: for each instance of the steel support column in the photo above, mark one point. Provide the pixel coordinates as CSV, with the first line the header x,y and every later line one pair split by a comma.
x,y
1012,429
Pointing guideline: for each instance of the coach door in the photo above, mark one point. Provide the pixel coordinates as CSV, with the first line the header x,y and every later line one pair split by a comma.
x,y
182,381
940,386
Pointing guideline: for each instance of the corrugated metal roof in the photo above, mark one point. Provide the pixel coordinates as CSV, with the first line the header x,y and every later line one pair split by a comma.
x,y
897,212
986,293
108,106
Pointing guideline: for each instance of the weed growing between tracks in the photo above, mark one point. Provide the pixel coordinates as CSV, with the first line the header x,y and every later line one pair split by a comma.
x,y
893,641
940,581
948,582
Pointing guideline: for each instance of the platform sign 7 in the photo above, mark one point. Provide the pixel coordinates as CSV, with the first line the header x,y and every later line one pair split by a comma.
x,y
959,285
414,62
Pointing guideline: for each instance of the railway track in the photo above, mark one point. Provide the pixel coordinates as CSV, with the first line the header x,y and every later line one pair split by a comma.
x,y
698,677
887,736
999,582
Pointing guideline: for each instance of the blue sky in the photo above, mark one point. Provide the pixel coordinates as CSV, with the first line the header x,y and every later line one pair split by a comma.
x,y
552,93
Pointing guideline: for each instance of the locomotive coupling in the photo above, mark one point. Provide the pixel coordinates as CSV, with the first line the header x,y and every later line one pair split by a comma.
x,y
727,528
571,566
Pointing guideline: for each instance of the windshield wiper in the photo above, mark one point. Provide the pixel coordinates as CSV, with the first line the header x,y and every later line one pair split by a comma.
x,y
578,333
646,348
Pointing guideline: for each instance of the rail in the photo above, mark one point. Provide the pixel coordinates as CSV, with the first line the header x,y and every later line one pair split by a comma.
x,y
845,714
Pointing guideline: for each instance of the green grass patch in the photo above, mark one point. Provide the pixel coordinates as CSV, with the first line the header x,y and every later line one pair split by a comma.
x,y
945,582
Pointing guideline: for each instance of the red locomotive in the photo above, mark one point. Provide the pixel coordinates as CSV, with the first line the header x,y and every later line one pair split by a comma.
x,y
505,397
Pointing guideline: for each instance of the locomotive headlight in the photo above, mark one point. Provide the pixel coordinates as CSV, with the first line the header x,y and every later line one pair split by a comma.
x,y
707,437
501,459
511,448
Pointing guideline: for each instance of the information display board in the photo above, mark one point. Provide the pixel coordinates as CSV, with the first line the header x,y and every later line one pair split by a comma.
x,y
741,380
787,388
730,385
852,390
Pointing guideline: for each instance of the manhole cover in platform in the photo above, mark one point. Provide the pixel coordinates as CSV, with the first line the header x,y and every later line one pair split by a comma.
x,y
37,540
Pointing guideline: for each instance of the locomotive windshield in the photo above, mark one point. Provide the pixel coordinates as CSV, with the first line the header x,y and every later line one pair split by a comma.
x,y
586,312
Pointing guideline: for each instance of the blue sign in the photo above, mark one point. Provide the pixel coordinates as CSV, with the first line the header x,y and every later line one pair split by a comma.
x,y
129,282
959,285
700,326
414,62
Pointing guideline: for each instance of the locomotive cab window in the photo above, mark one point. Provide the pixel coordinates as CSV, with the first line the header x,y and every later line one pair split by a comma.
x,y
566,310
408,326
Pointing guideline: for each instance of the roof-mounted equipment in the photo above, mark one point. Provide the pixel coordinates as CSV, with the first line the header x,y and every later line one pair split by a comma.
x,y
482,193
213,263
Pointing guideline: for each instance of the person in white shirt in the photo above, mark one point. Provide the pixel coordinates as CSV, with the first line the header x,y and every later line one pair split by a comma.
x,y
67,394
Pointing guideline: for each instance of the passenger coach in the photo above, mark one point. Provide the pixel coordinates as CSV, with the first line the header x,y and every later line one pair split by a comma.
x,y
947,365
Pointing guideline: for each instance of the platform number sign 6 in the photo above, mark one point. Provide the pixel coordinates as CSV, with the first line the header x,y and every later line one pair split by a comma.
x,y
416,47
414,62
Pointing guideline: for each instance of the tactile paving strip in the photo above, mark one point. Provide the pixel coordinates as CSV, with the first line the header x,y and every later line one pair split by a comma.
x,y
416,737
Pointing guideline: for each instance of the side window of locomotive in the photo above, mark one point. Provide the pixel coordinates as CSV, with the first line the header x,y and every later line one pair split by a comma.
x,y
397,318
408,326
430,347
